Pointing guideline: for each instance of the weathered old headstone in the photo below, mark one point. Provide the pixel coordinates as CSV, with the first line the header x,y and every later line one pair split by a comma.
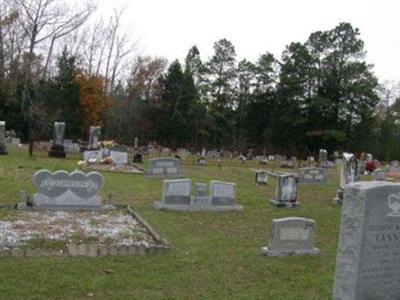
x,y
348,170
63,190
166,166
94,137
93,155
367,263
291,236
261,177
3,147
312,176
322,158
57,149
286,191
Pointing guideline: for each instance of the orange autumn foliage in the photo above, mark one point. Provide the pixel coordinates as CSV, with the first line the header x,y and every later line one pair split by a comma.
x,y
92,98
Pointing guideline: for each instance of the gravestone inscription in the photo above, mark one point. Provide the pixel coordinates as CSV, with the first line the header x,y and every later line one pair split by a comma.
x,y
63,190
291,236
368,257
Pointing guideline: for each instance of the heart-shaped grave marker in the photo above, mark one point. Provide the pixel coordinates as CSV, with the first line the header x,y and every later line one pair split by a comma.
x,y
56,184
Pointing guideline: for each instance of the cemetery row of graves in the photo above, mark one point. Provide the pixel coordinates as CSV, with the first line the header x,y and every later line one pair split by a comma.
x,y
207,219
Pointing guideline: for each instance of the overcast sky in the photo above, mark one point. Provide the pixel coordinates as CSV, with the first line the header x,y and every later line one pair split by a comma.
x,y
169,28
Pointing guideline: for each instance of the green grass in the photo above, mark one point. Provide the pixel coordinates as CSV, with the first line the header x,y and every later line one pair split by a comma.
x,y
213,256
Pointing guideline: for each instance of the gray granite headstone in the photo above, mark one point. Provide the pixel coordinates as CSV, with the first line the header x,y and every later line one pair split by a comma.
x,y
119,157
291,236
286,191
176,196
312,176
166,166
176,191
3,147
222,193
261,177
63,190
368,256
94,137
57,150
58,134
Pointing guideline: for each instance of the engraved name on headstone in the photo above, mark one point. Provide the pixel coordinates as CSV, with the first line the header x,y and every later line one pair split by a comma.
x,y
63,190
368,257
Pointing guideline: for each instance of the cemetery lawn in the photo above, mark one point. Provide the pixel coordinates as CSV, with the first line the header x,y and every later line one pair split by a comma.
x,y
213,256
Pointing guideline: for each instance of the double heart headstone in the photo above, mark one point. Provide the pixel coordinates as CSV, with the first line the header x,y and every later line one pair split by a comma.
x,y
67,190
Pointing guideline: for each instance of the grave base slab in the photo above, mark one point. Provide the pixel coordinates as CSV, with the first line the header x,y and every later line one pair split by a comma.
x,y
281,204
268,252
158,205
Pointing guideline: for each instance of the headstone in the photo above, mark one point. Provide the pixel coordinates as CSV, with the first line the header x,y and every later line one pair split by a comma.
x,y
15,141
176,196
348,169
222,193
360,169
57,150
379,175
119,157
322,158
286,191
3,147
176,191
201,161
261,177
138,158
367,262
369,157
166,166
94,137
136,142
291,236
63,190
201,189
310,161
312,176
92,155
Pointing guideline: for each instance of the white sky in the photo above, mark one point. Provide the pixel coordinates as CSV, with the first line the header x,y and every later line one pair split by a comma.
x,y
168,28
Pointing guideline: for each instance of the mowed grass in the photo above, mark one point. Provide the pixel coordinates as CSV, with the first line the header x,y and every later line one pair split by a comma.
x,y
213,256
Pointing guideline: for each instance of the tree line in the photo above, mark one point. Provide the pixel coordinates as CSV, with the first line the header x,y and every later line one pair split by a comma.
x,y
321,93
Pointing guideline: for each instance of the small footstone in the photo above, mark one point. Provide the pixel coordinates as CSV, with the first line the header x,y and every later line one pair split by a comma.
x,y
123,250
92,250
132,250
103,250
82,249
73,249
113,249
17,252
